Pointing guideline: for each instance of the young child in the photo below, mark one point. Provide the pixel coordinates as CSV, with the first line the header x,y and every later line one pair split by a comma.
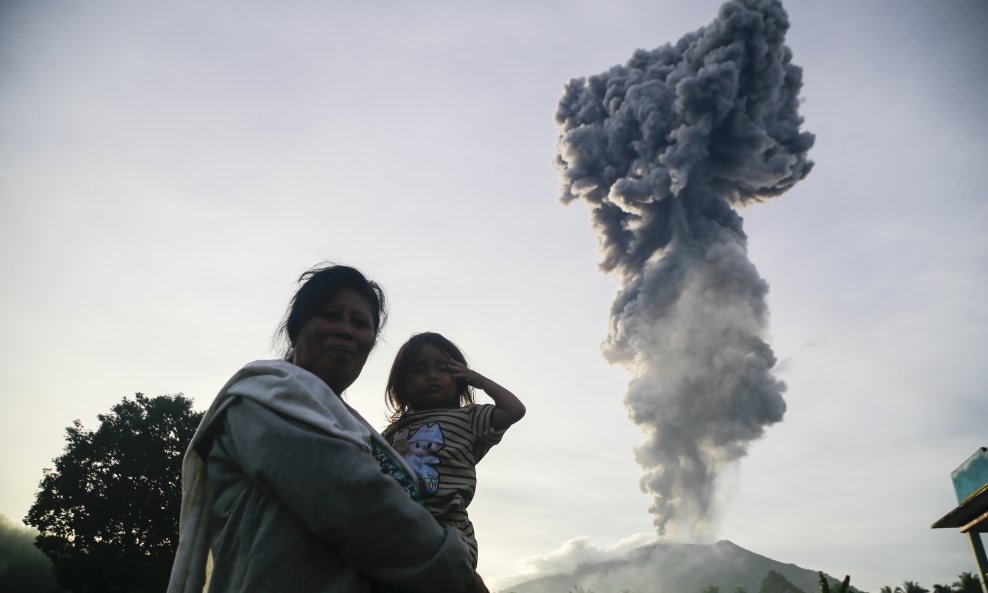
x,y
439,430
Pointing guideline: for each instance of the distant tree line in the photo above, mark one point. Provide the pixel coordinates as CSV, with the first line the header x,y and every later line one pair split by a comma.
x,y
774,582
23,568
967,582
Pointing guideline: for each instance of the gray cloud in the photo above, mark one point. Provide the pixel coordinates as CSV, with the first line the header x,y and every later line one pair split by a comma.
x,y
664,149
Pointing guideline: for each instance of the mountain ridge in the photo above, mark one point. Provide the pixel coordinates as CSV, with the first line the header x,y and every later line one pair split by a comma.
x,y
674,568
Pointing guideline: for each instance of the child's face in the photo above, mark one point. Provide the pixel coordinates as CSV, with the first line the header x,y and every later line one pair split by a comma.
x,y
430,384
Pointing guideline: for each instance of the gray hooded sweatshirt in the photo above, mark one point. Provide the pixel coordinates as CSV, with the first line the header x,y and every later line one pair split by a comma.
x,y
281,487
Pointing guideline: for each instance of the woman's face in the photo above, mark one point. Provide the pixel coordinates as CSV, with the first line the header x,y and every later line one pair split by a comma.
x,y
334,343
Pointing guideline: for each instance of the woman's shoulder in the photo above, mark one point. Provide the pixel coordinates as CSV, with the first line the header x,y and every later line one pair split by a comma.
x,y
291,391
276,367
267,376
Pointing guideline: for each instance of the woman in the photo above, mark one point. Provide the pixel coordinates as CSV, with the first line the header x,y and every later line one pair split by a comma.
x,y
286,488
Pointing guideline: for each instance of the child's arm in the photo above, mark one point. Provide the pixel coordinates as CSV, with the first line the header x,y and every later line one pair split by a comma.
x,y
508,409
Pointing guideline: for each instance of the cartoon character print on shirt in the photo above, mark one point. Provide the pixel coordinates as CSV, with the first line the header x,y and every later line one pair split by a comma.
x,y
419,449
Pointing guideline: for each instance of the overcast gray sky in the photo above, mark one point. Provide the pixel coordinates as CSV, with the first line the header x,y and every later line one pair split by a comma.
x,y
168,169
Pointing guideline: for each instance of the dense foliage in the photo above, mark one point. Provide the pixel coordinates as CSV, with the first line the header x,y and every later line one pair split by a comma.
x,y
108,511
966,582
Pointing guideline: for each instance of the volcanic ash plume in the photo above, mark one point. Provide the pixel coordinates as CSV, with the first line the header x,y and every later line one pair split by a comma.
x,y
664,149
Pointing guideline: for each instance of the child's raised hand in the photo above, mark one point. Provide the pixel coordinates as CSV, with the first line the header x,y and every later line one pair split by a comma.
x,y
460,371
508,409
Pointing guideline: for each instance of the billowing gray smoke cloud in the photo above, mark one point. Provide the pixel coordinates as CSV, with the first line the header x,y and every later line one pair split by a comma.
x,y
664,149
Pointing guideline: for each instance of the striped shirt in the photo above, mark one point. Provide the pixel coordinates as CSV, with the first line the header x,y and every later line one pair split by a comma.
x,y
443,447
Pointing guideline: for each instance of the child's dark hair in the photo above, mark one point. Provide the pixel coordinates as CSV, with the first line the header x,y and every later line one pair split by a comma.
x,y
395,392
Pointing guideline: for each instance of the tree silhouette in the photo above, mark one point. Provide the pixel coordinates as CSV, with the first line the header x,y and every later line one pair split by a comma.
x,y
108,512
911,587
967,582
825,585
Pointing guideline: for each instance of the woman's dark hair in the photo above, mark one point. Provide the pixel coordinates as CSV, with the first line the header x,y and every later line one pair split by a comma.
x,y
396,391
320,284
